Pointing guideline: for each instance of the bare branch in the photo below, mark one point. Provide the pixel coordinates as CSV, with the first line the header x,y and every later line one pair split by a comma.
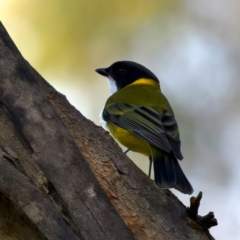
x,y
46,148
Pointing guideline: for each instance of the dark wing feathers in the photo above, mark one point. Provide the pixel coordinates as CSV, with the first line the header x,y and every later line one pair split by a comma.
x,y
170,127
146,122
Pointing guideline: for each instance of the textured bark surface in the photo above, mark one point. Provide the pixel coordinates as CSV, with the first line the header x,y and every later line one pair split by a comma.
x,y
52,160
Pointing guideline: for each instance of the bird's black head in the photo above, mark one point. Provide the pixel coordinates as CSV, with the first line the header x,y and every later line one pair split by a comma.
x,y
125,73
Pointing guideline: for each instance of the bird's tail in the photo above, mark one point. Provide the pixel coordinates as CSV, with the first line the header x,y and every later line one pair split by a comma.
x,y
168,173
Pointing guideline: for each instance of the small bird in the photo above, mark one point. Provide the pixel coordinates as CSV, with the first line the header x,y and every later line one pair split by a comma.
x,y
140,117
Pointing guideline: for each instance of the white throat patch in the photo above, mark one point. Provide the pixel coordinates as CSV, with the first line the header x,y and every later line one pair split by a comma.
x,y
112,85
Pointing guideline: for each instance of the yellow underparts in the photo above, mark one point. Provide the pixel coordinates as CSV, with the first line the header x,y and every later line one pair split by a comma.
x,y
130,140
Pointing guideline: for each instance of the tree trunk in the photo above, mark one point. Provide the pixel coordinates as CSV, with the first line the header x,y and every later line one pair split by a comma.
x,y
62,177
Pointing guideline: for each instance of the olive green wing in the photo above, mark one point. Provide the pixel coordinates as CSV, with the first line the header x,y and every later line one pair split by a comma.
x,y
160,130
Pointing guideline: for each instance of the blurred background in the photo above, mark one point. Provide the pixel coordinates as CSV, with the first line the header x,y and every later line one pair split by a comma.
x,y
193,46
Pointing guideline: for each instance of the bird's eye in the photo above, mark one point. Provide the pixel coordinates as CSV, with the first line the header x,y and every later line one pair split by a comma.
x,y
121,70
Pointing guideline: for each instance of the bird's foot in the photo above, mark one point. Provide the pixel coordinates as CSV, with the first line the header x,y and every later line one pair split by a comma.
x,y
126,151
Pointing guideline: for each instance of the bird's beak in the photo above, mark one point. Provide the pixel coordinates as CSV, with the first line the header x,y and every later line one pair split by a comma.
x,y
102,71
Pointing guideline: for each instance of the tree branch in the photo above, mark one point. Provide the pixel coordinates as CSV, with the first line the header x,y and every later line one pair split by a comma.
x,y
46,149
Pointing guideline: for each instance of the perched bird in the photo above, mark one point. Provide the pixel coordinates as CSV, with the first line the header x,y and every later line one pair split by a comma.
x,y
140,117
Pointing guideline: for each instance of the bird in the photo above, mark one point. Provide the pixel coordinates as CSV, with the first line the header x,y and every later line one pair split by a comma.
x,y
139,116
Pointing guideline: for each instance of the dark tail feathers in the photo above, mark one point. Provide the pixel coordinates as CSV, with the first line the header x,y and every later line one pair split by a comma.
x,y
168,173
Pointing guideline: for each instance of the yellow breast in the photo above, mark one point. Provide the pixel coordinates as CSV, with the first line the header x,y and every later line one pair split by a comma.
x,y
129,139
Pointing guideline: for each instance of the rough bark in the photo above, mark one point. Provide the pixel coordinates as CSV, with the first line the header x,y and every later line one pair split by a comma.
x,y
53,161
